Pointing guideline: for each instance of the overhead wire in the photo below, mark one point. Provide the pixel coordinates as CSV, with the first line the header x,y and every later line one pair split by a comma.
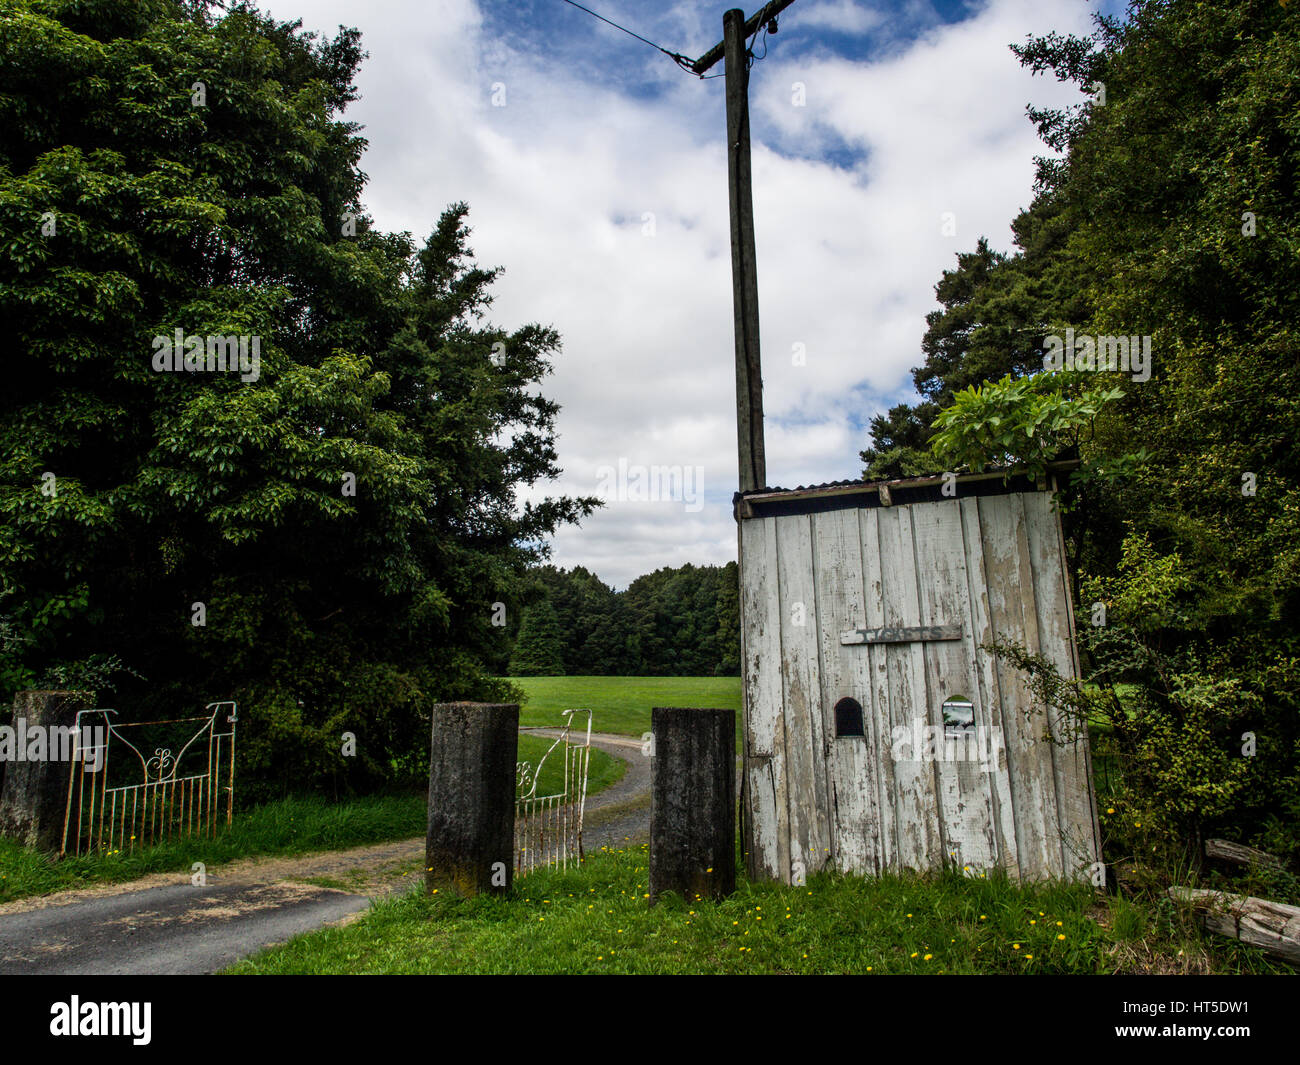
x,y
674,56
682,61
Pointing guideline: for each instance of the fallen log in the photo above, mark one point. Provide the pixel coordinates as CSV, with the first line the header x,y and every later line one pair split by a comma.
x,y
1238,854
1272,926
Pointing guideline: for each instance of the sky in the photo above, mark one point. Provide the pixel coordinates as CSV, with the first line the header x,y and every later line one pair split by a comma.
x,y
887,137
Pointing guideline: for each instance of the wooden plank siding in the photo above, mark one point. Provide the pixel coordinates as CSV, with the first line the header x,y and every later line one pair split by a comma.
x,y
805,755
851,762
984,566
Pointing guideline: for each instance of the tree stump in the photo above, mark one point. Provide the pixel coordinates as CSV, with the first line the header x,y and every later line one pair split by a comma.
x,y
693,803
470,845
34,795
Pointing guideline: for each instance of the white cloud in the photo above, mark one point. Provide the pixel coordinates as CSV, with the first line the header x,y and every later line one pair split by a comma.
x,y
558,182
843,16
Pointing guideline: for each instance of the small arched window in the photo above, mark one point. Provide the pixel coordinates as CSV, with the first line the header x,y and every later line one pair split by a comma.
x,y
848,717
958,716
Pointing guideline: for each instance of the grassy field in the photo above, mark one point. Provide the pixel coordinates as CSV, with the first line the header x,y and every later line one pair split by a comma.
x,y
597,920
622,704
290,826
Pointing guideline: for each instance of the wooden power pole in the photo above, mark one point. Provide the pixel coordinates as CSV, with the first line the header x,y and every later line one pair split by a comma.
x,y
744,270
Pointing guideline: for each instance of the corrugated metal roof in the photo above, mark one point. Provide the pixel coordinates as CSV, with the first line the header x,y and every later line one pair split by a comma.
x,y
1052,467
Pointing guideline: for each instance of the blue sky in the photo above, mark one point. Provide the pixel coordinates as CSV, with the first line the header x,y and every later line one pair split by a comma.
x,y
595,171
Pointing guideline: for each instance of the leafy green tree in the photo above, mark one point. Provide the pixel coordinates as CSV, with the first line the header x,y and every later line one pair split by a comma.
x,y
540,649
1173,215
321,536
995,312
728,615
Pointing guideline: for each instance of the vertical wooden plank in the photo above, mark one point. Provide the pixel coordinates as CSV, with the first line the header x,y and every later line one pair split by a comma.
x,y
845,672
469,848
693,803
918,833
1014,618
1075,809
760,649
805,751
875,707
744,271
990,694
965,800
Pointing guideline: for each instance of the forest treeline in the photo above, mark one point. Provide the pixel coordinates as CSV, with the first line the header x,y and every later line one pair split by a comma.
x,y
675,622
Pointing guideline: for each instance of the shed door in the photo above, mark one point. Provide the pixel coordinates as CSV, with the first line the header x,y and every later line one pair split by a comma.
x,y
899,633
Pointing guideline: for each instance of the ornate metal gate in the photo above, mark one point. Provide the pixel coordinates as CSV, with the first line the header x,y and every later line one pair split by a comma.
x,y
184,788
548,828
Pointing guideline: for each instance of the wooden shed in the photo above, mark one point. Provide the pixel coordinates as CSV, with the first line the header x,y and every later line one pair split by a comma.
x,y
879,734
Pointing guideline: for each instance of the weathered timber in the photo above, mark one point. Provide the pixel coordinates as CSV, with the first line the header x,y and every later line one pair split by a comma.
x,y
902,634
750,26
894,607
34,797
1272,926
744,268
470,846
693,803
1238,854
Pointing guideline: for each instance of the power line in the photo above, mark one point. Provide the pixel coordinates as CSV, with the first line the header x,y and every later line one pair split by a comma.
x,y
682,61
674,56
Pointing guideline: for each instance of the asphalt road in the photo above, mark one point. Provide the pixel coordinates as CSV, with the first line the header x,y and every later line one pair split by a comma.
x,y
169,931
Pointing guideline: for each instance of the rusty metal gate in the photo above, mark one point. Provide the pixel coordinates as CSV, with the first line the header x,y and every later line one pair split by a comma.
x,y
548,828
119,799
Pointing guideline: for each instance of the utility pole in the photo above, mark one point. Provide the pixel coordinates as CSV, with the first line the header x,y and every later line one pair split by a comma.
x,y
744,271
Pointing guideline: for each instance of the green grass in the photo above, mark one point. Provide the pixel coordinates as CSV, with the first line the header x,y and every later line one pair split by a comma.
x,y
622,704
602,770
597,920
288,826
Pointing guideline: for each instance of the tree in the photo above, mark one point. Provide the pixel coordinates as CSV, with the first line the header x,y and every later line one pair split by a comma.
x,y
540,650
321,535
1171,214
728,615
